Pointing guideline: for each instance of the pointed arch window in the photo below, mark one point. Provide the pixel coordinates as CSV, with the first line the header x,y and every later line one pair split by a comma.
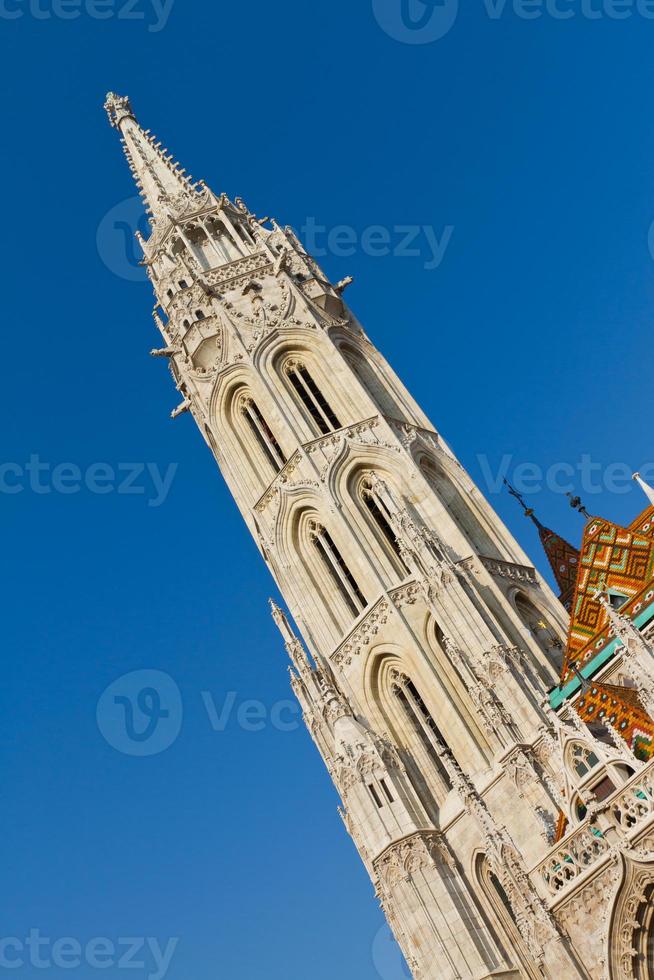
x,y
263,434
381,516
338,570
311,397
511,941
424,725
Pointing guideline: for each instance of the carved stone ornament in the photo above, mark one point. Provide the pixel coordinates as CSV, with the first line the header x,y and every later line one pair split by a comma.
x,y
363,635
401,861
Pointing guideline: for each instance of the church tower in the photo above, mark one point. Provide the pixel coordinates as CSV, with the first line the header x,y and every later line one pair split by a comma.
x,y
426,642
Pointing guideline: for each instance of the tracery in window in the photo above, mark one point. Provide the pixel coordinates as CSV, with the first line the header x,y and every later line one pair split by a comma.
x,y
583,760
424,725
311,397
263,434
338,570
381,517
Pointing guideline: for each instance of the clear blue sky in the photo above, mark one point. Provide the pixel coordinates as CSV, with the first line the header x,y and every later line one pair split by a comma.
x,y
534,139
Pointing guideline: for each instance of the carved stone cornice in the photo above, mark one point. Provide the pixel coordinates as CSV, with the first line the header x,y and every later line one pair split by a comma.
x,y
362,634
281,479
408,434
226,276
509,570
406,595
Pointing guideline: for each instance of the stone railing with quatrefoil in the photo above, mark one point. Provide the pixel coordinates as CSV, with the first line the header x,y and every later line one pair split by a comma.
x,y
630,809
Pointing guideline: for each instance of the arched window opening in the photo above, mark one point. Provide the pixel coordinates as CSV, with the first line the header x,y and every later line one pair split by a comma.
x,y
642,942
382,519
372,382
263,434
543,632
584,760
375,795
511,942
387,792
311,397
580,809
338,570
219,242
460,509
595,777
424,725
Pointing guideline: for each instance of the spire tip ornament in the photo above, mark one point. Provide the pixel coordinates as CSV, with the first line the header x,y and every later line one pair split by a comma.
x,y
645,487
117,108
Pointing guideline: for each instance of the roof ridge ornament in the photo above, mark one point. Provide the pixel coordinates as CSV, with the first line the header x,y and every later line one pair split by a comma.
x,y
577,504
645,487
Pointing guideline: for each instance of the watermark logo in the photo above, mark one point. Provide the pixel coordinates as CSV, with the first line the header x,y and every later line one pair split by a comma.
x,y
154,13
141,713
584,475
116,239
416,21
424,242
387,957
68,953
426,21
37,476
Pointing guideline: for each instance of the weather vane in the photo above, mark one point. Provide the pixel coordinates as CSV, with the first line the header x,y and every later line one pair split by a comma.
x,y
518,496
576,504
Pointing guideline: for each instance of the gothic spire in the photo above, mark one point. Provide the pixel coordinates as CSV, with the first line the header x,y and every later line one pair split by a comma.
x,y
562,556
162,183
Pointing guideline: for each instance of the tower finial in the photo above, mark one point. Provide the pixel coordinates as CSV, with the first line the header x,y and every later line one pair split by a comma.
x,y
529,511
162,183
562,556
645,487
117,108
577,504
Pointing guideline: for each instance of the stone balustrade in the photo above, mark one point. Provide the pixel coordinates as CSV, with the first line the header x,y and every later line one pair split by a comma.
x,y
629,809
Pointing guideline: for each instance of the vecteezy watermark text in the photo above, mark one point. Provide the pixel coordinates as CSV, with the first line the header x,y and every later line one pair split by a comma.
x,y
585,475
36,476
154,12
133,953
378,241
141,713
426,21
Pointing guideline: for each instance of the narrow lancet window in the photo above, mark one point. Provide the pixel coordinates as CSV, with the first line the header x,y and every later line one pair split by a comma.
x,y
312,398
263,434
338,570
382,518
426,728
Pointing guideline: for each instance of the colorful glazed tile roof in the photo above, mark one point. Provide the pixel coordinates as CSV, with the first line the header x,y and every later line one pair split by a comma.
x,y
563,558
619,561
621,706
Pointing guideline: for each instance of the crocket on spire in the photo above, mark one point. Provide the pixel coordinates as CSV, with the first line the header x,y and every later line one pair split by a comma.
x,y
162,183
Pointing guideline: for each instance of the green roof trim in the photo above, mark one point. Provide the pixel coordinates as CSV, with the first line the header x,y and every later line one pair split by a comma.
x,y
561,694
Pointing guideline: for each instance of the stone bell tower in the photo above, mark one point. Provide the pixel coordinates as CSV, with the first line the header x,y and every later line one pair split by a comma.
x,y
428,639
